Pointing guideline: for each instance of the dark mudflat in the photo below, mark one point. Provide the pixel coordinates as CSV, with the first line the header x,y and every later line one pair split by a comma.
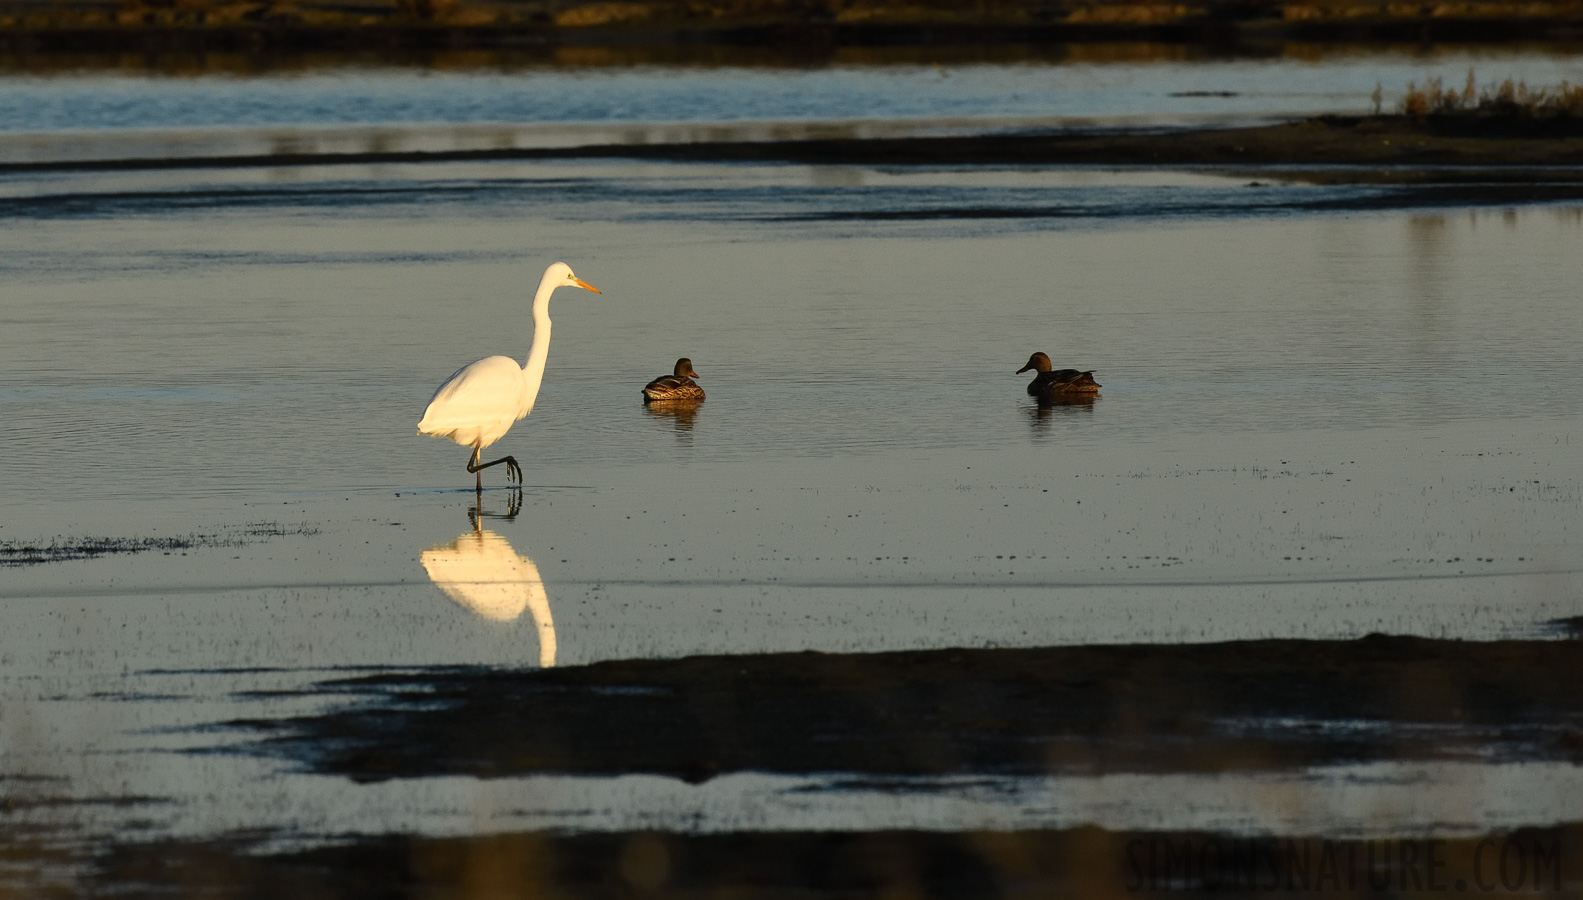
x,y
1148,708
67,549
1465,159
1323,141
1081,862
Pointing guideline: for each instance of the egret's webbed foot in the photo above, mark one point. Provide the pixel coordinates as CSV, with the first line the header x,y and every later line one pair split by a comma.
x,y
513,471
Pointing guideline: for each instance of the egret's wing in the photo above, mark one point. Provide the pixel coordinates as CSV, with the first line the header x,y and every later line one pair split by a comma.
x,y
487,390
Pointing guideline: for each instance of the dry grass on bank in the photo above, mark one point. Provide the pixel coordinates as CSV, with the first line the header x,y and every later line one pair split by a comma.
x,y
1507,99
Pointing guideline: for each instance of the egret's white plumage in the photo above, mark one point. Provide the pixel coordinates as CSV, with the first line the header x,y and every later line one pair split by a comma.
x,y
476,406
479,403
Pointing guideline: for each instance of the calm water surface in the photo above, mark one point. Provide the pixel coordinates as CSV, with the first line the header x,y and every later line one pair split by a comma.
x,y
91,114
1312,425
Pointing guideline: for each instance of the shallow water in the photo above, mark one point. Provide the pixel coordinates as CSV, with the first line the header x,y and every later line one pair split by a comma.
x,y
1337,80
1312,425
94,114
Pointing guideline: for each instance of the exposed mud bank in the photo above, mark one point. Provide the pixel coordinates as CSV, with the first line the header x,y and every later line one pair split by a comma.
x,y
67,549
1088,862
1474,154
1146,708
1323,141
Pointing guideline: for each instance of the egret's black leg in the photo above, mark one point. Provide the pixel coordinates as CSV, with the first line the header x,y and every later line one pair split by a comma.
x,y
513,471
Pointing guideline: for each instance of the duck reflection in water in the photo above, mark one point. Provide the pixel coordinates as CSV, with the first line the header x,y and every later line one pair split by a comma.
x,y
1041,414
481,571
680,412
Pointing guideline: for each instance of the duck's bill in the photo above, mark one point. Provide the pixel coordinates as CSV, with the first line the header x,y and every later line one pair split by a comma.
x,y
1022,370
583,284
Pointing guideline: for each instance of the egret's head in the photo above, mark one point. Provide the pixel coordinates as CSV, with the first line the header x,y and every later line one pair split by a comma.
x,y
1037,362
561,275
684,366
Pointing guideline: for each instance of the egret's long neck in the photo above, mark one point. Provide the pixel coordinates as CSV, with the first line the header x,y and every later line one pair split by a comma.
x,y
533,370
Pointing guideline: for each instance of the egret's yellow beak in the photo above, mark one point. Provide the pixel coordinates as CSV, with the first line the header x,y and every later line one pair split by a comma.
x,y
583,284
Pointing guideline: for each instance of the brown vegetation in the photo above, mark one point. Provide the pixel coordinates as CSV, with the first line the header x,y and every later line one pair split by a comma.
x,y
78,23
1506,99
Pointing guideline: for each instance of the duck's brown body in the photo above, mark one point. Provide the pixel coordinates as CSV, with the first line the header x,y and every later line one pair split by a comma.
x,y
1058,382
676,386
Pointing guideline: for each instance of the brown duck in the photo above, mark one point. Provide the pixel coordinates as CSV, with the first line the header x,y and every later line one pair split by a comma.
x,y
1057,383
676,386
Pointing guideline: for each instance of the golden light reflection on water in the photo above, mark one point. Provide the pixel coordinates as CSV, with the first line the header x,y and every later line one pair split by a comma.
x,y
680,413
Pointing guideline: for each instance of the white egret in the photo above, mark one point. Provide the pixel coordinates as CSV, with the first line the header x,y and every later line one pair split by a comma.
x,y
477,406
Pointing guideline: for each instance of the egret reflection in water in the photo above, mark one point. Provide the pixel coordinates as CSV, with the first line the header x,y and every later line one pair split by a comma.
x,y
482,571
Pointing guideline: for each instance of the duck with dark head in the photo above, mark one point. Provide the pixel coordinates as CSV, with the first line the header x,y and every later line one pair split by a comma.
x,y
1057,384
677,386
